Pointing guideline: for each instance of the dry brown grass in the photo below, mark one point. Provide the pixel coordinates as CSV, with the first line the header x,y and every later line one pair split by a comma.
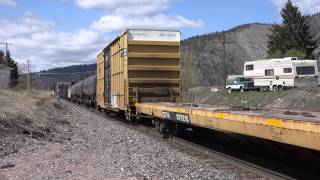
x,y
26,112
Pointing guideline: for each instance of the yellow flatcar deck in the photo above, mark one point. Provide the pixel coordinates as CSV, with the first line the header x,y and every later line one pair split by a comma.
x,y
294,128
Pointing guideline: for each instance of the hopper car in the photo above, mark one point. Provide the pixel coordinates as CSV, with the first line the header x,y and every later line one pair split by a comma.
x,y
139,76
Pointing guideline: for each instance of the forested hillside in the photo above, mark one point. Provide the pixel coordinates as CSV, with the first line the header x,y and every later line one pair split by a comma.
x,y
48,78
72,69
202,56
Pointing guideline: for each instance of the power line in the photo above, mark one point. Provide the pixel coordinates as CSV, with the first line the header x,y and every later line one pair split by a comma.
x,y
28,75
44,73
225,69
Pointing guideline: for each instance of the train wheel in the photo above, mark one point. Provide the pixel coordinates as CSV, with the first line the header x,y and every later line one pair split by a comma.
x,y
98,108
107,112
129,116
275,88
241,89
157,125
167,129
280,88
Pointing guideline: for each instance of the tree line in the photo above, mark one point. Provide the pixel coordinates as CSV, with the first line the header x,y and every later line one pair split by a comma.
x,y
292,37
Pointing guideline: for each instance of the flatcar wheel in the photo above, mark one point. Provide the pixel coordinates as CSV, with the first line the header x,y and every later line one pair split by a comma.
x,y
128,116
166,133
157,125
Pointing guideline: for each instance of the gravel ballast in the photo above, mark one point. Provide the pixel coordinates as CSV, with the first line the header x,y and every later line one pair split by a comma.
x,y
95,147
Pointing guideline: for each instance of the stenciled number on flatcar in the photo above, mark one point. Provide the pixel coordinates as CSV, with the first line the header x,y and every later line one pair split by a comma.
x,y
176,116
166,115
182,117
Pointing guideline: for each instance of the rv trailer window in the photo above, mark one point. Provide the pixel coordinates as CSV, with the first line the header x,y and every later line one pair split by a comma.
x,y
249,67
305,70
269,72
287,70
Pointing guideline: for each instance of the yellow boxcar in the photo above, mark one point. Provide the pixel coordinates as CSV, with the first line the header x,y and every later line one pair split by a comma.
x,y
139,66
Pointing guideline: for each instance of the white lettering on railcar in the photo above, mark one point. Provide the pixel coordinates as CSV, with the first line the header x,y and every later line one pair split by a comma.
x,y
153,35
166,115
182,117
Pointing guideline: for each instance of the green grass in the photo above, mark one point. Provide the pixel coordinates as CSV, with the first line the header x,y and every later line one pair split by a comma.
x,y
297,99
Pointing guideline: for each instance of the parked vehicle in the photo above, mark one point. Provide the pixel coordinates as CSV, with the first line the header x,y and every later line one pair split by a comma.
x,y
240,84
277,74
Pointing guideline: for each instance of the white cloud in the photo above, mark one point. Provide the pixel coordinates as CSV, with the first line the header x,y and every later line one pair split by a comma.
x,y
306,6
8,2
116,23
126,7
36,40
125,14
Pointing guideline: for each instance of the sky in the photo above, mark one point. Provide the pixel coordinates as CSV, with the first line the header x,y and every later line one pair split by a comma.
x,y
54,33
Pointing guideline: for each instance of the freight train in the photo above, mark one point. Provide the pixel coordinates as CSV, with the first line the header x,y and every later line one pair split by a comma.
x,y
139,76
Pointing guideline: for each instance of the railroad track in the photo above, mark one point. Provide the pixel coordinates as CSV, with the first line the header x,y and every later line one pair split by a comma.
x,y
229,162
255,169
263,172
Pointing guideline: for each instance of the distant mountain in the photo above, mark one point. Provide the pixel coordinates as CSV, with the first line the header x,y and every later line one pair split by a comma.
x,y
73,69
48,78
202,56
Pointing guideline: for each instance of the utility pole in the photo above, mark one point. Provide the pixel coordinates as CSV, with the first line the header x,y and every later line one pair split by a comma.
x,y
225,68
28,75
7,46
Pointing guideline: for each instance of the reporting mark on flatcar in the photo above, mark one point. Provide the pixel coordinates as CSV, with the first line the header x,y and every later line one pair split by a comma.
x,y
176,116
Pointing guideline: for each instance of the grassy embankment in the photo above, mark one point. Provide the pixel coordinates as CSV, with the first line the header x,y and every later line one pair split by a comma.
x,y
307,99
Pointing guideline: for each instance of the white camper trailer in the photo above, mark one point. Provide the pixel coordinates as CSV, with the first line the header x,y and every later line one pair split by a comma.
x,y
275,74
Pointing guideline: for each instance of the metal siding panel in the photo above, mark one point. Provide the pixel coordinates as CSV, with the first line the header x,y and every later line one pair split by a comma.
x,y
150,59
100,97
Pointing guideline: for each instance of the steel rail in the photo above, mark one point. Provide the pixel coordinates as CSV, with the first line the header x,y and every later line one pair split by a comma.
x,y
264,172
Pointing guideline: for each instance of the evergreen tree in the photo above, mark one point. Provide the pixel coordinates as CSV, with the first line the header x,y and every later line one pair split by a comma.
x,y
292,34
1,57
12,64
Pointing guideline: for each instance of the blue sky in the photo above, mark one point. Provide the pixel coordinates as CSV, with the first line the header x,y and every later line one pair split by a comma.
x,y
223,15
63,32
216,15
